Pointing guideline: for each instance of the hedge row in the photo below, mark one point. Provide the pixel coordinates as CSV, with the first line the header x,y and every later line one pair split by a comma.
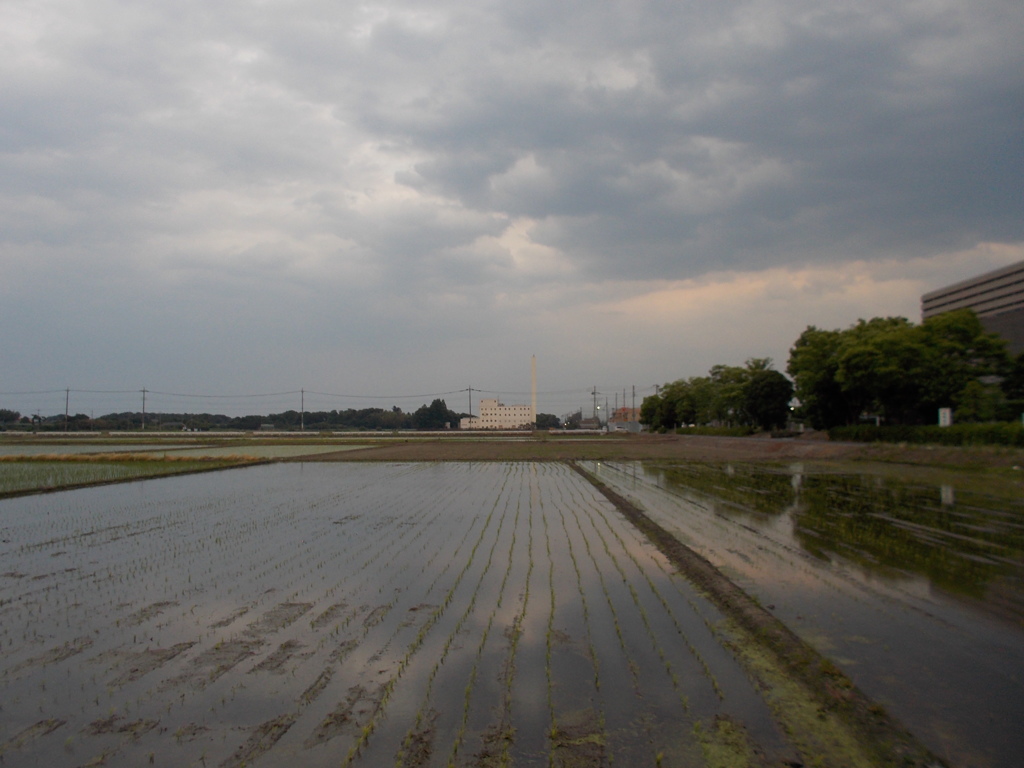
x,y
956,434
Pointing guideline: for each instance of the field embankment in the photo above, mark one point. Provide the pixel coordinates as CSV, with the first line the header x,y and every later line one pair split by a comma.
x,y
672,448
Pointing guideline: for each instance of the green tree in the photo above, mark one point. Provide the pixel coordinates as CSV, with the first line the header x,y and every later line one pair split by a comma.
x,y
979,402
434,416
963,352
248,423
724,392
1013,385
650,411
656,413
892,368
677,404
813,364
718,398
548,421
726,401
881,364
766,398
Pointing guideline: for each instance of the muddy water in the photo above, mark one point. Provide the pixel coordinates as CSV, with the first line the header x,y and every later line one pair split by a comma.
x,y
913,583
351,614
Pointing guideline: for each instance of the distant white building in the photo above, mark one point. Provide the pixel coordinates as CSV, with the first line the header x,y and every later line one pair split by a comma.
x,y
496,415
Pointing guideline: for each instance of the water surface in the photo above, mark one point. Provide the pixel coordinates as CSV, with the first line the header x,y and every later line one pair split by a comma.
x,y
913,582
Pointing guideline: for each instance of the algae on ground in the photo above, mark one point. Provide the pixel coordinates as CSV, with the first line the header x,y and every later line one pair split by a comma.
x,y
819,733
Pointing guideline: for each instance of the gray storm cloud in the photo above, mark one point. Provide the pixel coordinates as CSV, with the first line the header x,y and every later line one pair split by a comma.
x,y
360,174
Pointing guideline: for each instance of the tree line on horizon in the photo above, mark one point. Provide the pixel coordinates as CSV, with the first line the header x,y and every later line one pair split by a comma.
x,y
754,395
436,416
427,417
886,368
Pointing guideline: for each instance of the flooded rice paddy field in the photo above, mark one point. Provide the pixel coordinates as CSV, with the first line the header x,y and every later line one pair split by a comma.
x,y
351,614
913,582
484,614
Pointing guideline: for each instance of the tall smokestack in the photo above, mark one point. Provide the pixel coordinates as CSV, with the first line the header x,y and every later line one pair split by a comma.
x,y
533,388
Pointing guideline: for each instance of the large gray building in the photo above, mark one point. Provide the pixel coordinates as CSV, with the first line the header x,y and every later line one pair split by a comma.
x,y
997,297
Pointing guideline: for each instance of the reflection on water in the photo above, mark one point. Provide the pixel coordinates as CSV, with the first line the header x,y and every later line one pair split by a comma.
x,y
910,579
740,487
962,541
961,546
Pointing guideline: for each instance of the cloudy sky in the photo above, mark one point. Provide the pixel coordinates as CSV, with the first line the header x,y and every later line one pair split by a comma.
x,y
396,199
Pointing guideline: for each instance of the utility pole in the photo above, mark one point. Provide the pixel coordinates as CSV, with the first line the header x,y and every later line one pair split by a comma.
x,y
143,409
471,402
67,397
533,388
302,411
595,402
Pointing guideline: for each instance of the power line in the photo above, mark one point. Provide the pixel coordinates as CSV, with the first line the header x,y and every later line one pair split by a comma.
x,y
388,397
72,390
41,392
222,397
103,391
